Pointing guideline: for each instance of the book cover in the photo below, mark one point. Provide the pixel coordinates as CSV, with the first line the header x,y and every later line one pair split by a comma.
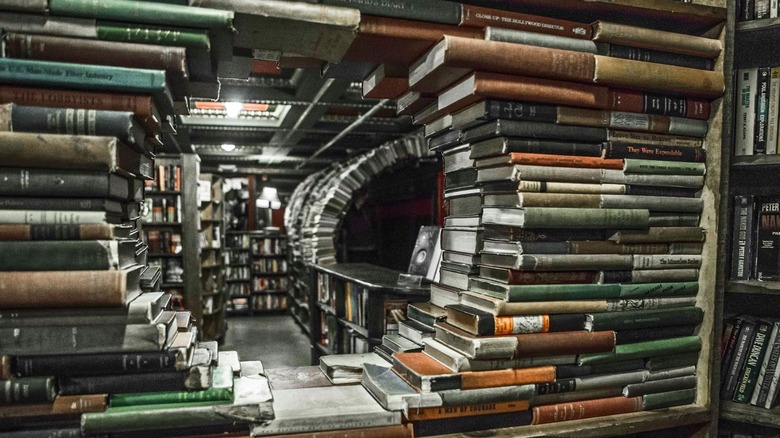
x,y
767,256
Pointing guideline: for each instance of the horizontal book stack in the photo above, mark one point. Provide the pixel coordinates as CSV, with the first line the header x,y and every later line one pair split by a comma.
x,y
749,352
572,246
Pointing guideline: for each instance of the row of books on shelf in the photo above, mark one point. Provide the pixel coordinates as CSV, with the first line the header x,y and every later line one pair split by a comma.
x,y
258,285
161,210
163,241
166,178
237,257
258,303
269,266
172,269
749,354
269,246
757,101
755,245
747,10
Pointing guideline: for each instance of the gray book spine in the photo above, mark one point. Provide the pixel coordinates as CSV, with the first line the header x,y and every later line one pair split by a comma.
x,y
539,39
656,386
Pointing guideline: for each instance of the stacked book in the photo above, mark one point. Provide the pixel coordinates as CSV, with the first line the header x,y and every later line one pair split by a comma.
x,y
332,193
572,243
750,350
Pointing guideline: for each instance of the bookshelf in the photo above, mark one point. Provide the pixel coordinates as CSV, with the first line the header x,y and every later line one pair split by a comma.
x,y
255,272
354,307
212,275
169,220
748,173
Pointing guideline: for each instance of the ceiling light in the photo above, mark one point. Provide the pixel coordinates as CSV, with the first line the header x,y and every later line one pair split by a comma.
x,y
233,109
228,147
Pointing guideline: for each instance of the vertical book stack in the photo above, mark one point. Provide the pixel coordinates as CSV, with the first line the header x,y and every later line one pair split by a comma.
x,y
572,243
84,324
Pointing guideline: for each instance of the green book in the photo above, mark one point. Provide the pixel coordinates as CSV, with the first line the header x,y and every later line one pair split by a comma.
x,y
67,255
88,77
221,390
668,399
143,12
673,361
559,217
643,319
133,33
645,349
586,291
660,167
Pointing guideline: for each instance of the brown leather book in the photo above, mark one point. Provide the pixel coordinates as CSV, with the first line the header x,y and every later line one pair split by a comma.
x,y
648,38
552,160
396,41
481,85
5,367
453,57
69,288
142,106
585,409
120,54
513,276
387,81
478,16
561,343
64,232
62,404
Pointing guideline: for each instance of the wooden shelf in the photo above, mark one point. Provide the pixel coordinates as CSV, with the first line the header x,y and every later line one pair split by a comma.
x,y
743,161
212,266
750,414
752,25
753,287
355,327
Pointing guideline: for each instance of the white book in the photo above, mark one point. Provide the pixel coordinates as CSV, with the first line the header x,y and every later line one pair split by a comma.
x,y
745,112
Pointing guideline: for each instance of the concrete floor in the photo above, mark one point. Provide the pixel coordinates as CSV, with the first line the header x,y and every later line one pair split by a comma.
x,y
275,339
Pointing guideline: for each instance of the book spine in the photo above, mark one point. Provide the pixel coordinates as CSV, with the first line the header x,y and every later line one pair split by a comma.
x,y
645,319
768,367
562,343
659,78
633,36
753,361
767,257
51,217
560,385
644,349
22,71
565,161
45,182
79,404
55,232
124,383
762,110
90,364
585,409
150,35
6,366
28,390
62,289
512,325
562,277
74,122
665,153
742,237
657,56
538,39
653,138
734,367
773,105
82,339
58,256
511,110
476,16
468,410
768,395
433,11
662,385
496,378
152,13
745,113
663,105
668,399
586,218
158,398
641,335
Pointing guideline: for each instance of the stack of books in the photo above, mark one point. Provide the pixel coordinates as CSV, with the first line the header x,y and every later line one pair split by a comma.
x,y
571,247
750,349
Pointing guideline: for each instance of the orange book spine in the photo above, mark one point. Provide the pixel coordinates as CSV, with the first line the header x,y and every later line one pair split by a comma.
x,y
27,290
518,376
566,161
444,412
505,325
395,431
79,404
409,29
585,409
5,367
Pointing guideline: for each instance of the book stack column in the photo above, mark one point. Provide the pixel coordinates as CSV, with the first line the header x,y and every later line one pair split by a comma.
x,y
576,190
